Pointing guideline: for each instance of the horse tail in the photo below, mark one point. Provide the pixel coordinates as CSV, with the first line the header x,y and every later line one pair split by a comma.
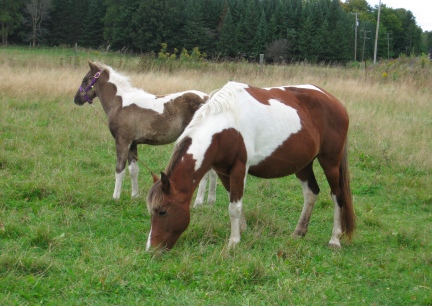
x,y
348,218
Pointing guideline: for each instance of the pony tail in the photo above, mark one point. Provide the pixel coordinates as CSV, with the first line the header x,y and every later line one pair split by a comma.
x,y
348,218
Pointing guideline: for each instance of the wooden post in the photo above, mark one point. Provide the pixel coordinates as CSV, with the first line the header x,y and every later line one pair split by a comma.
x,y
261,61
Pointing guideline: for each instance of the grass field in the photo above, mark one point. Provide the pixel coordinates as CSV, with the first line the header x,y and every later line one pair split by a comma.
x,y
64,241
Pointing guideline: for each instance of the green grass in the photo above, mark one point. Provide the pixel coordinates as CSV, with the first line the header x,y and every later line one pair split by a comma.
x,y
64,241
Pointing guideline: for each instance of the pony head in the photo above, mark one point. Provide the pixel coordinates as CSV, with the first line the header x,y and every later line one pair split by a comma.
x,y
87,92
170,214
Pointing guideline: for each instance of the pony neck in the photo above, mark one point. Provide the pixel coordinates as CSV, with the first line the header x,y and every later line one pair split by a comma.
x,y
117,90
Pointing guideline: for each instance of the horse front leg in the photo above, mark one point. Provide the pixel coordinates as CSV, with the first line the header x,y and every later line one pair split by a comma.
x,y
122,155
133,168
237,182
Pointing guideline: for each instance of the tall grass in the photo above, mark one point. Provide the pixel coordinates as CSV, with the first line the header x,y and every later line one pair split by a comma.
x,y
63,240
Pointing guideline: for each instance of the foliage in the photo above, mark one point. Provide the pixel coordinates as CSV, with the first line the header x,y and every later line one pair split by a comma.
x,y
315,31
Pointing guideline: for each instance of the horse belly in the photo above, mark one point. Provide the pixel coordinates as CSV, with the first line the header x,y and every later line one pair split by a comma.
x,y
289,158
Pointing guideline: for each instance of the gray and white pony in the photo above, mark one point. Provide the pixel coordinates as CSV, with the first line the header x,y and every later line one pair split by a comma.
x,y
137,117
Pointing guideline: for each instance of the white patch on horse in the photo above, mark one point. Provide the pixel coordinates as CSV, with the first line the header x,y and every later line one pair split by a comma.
x,y
235,213
337,226
133,171
307,86
222,112
118,183
148,244
132,95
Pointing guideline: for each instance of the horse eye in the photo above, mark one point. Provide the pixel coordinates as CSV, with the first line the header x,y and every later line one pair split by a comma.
x,y
162,213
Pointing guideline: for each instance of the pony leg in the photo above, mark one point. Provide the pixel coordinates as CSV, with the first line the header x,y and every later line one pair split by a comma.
x,y
199,200
211,199
133,169
118,184
122,154
308,205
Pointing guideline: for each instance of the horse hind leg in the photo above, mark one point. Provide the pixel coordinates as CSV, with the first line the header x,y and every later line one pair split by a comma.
x,y
337,174
310,190
133,169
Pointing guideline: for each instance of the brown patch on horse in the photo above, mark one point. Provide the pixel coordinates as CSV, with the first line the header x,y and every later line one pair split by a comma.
x,y
263,95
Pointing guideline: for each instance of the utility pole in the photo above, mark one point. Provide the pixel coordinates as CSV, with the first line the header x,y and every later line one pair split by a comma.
x,y
377,29
364,42
388,44
355,42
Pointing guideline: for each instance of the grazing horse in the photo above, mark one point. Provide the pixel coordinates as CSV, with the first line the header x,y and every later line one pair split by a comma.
x,y
268,133
137,117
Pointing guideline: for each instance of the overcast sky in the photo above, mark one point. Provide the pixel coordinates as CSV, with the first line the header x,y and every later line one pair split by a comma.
x,y
421,9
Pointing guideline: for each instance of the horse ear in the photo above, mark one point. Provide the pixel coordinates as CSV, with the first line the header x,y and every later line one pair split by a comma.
x,y
166,185
93,66
155,178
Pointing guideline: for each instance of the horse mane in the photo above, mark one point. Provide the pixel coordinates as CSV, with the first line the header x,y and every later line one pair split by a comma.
x,y
220,101
122,82
155,195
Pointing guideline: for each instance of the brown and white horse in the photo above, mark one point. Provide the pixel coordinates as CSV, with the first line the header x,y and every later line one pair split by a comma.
x,y
268,133
137,117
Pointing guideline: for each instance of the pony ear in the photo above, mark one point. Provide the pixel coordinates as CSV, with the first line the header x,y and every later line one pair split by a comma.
x,y
155,178
93,66
166,185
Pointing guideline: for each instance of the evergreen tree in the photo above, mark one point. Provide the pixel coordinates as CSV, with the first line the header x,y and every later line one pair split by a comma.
x,y
247,29
228,37
92,25
10,17
261,35
193,32
119,30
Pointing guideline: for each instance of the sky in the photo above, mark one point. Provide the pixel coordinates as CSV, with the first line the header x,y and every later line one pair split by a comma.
x,y
421,9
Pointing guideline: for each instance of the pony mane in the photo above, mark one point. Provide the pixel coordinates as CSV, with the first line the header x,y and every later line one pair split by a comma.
x,y
220,101
115,77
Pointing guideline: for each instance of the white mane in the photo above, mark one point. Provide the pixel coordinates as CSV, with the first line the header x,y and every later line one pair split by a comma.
x,y
129,93
221,101
117,78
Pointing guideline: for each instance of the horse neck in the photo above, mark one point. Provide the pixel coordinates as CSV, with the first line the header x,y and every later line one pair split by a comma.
x,y
182,173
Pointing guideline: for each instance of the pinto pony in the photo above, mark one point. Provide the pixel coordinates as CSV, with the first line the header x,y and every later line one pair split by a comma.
x,y
268,133
137,117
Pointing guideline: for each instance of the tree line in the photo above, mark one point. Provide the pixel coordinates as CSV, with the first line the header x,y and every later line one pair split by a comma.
x,y
284,30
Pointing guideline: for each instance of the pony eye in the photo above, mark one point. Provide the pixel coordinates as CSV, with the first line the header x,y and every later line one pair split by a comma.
x,y
162,213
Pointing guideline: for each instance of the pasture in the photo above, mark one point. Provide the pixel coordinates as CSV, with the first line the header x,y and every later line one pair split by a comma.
x,y
64,240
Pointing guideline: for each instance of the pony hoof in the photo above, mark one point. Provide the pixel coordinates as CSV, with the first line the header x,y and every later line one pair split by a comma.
x,y
233,243
298,234
334,245
197,204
